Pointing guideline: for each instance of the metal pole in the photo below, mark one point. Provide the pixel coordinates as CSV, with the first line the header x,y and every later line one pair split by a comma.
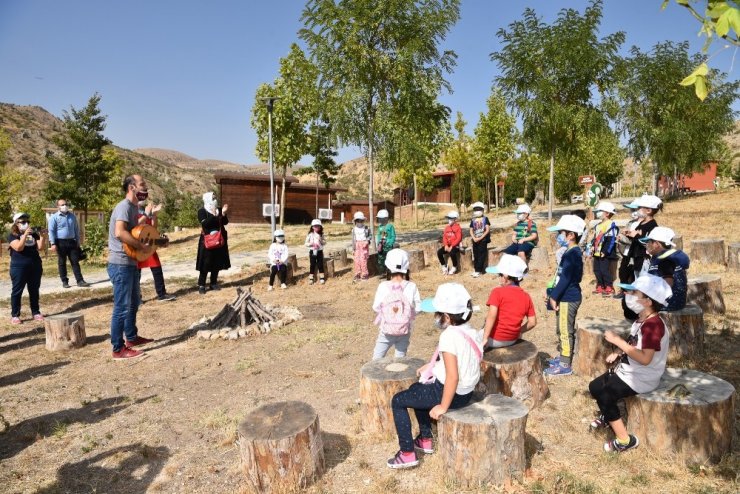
x,y
270,101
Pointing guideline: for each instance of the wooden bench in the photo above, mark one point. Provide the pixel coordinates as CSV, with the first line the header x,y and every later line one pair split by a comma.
x,y
514,371
690,414
483,442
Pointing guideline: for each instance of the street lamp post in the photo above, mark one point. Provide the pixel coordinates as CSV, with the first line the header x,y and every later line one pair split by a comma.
x,y
270,102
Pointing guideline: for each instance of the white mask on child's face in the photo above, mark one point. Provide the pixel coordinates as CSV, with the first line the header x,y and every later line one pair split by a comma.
x,y
440,323
477,214
599,214
633,303
450,221
280,240
635,215
521,217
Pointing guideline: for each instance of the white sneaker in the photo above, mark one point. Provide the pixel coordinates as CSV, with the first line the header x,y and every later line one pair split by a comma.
x,y
444,269
452,270
269,288
322,281
283,286
475,274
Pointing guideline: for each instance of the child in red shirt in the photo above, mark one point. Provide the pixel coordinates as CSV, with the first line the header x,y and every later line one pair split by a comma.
x,y
510,308
451,239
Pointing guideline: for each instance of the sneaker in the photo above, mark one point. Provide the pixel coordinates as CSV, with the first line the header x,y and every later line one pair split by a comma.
x,y
475,274
166,298
65,284
615,447
310,281
553,361
452,270
15,320
559,370
83,284
403,460
599,423
270,288
202,290
322,281
38,317
599,290
283,286
138,341
444,270
424,444
126,352
365,278
215,287
608,291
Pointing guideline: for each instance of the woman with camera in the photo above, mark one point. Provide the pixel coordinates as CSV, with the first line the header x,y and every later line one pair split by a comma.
x,y
25,266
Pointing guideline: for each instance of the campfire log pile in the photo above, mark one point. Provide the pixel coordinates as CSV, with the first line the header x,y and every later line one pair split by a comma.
x,y
243,317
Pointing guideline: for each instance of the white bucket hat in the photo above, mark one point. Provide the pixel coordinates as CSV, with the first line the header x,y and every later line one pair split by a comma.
x,y
453,215
397,261
607,207
509,265
18,216
569,223
279,233
523,209
648,201
478,205
661,234
451,298
359,215
316,222
382,214
653,286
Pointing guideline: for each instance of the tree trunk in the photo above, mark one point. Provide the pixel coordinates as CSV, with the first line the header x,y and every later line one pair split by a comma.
x,y
380,380
690,414
591,348
317,193
655,179
514,371
416,204
281,446
371,219
686,327
483,442
495,191
488,195
706,292
282,199
708,251
551,199
65,332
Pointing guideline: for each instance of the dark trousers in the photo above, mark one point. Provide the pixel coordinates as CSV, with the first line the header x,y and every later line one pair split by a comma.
x,y
316,261
26,275
480,256
603,272
158,277
281,271
201,277
67,248
626,271
454,253
422,398
607,390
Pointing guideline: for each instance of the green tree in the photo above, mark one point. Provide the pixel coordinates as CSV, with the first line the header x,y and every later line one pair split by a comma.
x,y
11,182
495,137
549,77
83,170
324,166
459,156
296,86
367,51
665,124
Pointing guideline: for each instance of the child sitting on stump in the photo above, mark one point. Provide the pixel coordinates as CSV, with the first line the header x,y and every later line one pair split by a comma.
x,y
277,256
447,381
525,236
639,363
451,238
669,263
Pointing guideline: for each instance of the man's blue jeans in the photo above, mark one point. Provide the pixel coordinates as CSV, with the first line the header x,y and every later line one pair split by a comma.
x,y
126,299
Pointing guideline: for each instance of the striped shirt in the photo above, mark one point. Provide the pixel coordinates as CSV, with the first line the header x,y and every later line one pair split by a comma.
x,y
525,229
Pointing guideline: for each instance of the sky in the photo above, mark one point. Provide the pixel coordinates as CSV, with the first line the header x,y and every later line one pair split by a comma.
x,y
182,74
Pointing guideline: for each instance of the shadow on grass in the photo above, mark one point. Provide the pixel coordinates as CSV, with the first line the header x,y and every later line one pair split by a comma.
x,y
31,373
125,469
33,337
21,435
337,449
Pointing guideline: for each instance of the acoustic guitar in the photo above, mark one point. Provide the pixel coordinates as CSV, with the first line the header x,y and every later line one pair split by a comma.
x,y
148,235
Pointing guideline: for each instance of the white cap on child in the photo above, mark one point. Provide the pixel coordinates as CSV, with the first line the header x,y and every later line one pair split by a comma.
x,y
451,298
509,265
653,286
523,209
279,233
359,215
316,223
397,261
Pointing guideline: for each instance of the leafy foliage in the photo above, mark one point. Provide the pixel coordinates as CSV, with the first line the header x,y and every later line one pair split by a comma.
x,y
96,238
324,166
460,157
11,182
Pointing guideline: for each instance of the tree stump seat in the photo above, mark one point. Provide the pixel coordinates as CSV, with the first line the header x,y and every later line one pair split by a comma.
x,y
293,261
733,256
340,258
65,331
706,292
539,260
686,328
430,249
708,251
691,414
281,447
514,371
591,348
380,380
484,442
416,260
328,268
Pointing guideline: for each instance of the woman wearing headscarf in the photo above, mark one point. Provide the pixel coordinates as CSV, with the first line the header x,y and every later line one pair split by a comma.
x,y
212,219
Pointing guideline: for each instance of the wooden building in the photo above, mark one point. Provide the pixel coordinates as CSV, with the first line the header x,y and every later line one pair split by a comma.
x,y
247,194
441,194
700,181
345,210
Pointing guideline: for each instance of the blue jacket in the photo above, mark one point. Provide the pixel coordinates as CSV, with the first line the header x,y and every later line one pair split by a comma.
x,y
568,278
672,263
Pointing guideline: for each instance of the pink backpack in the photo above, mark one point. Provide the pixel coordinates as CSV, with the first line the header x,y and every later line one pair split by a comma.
x,y
396,313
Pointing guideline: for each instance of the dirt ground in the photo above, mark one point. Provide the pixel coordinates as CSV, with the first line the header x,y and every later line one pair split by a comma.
x,y
81,422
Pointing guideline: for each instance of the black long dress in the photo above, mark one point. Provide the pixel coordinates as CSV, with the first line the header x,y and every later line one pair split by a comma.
x,y
210,260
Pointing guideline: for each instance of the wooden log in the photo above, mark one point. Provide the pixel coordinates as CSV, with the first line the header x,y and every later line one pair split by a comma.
x,y
340,258
430,249
290,275
494,255
416,260
380,380
678,240
514,371
591,347
686,327
708,251
372,264
733,256
328,268
466,260
483,442
706,292
65,331
293,261
281,447
539,260
690,414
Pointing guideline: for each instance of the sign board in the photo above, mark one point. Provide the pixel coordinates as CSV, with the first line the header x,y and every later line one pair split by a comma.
x,y
586,179
593,194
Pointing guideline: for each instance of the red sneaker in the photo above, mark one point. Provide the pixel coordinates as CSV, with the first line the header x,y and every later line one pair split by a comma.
x,y
599,290
138,341
608,292
126,352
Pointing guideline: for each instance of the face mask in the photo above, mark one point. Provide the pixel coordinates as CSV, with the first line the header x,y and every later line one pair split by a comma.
x,y
23,226
450,221
63,209
439,324
316,229
360,224
641,214
635,215
562,241
633,303
521,217
142,195
600,214
477,214
280,240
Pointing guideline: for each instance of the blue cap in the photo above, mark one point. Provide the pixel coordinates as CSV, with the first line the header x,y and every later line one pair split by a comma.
x,y
632,205
427,305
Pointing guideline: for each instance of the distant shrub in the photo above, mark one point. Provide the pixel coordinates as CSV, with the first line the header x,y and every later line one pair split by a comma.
x,y
96,239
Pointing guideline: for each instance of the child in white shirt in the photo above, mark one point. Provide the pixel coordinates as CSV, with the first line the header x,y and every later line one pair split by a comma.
x,y
315,242
277,256
361,246
397,301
